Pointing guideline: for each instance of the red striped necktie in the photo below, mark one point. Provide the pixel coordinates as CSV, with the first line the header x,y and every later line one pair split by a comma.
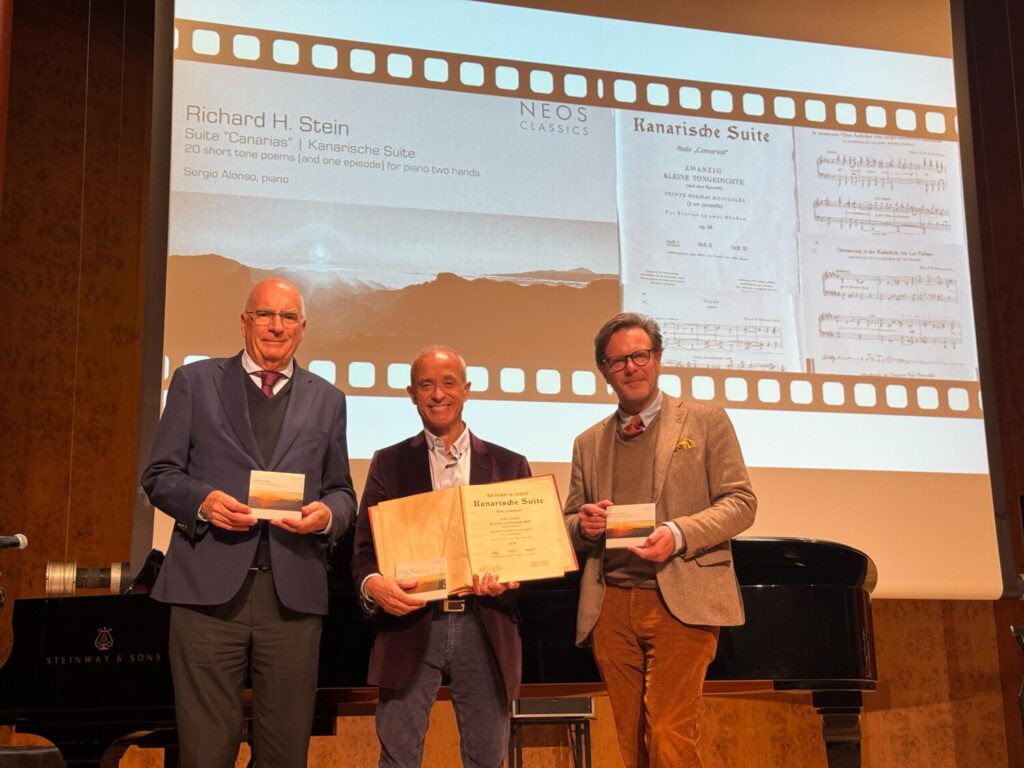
x,y
268,379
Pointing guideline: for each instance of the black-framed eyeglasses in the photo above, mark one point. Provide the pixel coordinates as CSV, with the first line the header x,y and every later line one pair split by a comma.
x,y
263,317
640,358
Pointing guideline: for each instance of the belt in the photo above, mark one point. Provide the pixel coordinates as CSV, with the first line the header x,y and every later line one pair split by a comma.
x,y
453,605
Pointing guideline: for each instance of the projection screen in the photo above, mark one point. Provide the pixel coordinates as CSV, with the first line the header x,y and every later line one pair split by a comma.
x,y
503,179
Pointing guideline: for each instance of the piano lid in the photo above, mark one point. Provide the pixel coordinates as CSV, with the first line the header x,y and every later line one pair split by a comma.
x,y
763,561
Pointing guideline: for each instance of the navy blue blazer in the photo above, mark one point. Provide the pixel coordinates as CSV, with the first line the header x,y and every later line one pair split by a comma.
x,y
403,470
204,442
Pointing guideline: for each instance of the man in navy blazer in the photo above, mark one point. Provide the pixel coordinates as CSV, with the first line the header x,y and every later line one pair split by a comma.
x,y
247,596
472,641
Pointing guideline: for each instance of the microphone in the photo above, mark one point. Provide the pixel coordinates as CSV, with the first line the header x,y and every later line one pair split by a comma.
x,y
17,541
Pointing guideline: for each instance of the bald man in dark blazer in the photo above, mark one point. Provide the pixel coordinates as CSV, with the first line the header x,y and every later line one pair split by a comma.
x,y
480,631
247,596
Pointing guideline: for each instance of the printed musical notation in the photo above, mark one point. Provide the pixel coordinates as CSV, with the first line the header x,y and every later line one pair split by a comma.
x,y
899,307
866,171
896,365
728,364
858,266
703,337
881,215
721,329
944,333
846,285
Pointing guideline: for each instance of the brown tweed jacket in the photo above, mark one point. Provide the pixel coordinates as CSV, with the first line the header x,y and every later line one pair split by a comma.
x,y
700,483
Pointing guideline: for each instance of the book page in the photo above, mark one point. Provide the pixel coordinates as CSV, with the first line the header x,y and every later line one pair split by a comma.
x,y
515,529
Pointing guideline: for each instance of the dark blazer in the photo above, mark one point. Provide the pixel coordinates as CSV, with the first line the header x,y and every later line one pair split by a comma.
x,y
204,442
402,470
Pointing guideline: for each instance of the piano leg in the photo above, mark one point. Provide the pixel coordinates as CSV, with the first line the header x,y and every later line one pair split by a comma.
x,y
1018,634
579,739
99,746
103,745
840,725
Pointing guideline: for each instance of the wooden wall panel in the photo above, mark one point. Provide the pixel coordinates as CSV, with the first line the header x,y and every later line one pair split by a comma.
x,y
71,242
997,125
6,14
995,62
939,701
38,282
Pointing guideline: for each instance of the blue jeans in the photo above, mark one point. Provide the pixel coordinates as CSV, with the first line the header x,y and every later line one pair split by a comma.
x,y
458,647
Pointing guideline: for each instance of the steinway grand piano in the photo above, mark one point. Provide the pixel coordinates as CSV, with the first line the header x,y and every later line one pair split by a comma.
x,y
91,675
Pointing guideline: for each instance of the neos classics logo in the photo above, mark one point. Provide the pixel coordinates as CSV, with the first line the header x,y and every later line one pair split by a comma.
x,y
552,118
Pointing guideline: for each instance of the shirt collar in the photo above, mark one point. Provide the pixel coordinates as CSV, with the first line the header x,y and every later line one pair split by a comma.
x,y
458,449
646,415
251,367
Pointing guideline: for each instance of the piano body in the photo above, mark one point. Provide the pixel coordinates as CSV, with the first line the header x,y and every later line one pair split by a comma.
x,y
91,674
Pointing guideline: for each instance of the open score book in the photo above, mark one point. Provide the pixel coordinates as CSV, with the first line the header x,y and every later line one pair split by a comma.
x,y
512,529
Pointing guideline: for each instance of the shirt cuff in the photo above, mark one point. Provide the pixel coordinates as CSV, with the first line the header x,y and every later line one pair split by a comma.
x,y
362,587
330,519
583,534
677,533
201,516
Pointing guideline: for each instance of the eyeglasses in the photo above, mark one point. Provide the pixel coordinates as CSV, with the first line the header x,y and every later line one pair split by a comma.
x,y
640,358
263,317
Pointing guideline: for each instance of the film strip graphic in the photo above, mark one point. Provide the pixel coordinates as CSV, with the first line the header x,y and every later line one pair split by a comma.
x,y
355,60
756,390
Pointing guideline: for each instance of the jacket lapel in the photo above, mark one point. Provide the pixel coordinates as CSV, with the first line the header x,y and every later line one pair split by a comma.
x,y
415,464
673,416
604,457
235,405
479,461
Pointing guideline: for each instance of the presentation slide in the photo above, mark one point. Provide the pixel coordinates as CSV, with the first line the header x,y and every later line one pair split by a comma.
x,y
504,179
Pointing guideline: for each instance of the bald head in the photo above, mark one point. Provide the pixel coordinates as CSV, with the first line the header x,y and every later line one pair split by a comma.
x,y
274,285
439,389
439,353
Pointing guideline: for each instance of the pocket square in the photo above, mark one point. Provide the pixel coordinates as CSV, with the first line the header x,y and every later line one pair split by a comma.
x,y
685,444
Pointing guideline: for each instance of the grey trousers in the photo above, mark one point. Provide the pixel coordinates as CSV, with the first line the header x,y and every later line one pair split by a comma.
x,y
213,649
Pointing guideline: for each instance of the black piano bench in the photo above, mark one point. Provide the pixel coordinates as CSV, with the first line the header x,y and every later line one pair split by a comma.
x,y
575,713
30,757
